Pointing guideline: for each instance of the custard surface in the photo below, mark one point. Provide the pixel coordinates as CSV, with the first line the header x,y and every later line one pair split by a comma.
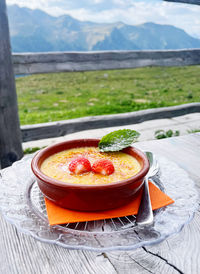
x,y
56,166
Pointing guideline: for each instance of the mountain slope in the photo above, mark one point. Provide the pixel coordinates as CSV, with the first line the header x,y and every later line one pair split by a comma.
x,y
167,37
115,41
36,31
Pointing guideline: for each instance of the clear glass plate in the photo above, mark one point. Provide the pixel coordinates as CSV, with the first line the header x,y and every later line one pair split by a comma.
x,y
22,204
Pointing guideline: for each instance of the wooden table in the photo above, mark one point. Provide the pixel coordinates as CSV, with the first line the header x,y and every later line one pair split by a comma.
x,y
178,254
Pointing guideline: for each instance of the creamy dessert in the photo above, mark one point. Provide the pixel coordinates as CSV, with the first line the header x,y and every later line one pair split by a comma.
x,y
120,166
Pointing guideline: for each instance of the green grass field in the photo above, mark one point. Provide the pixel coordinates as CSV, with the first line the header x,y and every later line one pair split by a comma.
x,y
60,96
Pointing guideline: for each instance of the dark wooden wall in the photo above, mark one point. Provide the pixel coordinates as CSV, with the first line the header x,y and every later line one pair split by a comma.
x,y
10,134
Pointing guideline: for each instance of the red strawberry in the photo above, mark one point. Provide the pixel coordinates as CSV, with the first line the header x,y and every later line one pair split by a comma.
x,y
104,167
79,165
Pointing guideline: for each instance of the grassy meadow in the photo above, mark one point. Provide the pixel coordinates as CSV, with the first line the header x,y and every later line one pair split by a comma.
x,y
61,96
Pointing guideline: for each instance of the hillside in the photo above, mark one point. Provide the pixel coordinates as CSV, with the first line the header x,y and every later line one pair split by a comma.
x,y
37,31
61,96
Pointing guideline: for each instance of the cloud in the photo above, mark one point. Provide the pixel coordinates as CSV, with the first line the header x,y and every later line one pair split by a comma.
x,y
131,12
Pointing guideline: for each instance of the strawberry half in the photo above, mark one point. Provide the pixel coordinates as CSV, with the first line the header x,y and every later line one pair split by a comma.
x,y
104,167
79,165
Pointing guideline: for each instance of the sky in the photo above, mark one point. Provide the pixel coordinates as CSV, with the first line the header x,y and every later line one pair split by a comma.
x,y
132,12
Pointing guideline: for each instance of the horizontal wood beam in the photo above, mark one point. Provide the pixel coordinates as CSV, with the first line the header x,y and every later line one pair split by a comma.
x,y
61,128
31,63
194,2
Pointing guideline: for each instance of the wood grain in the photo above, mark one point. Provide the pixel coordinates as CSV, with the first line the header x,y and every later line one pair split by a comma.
x,y
21,254
178,254
10,135
61,128
30,63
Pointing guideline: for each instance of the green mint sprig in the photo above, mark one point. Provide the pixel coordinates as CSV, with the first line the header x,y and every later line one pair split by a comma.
x,y
117,140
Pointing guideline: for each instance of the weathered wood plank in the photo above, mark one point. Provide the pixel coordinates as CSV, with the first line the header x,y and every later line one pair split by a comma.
x,y
178,254
10,135
30,63
194,2
21,254
61,128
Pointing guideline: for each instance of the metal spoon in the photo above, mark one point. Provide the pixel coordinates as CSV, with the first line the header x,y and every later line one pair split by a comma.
x,y
145,213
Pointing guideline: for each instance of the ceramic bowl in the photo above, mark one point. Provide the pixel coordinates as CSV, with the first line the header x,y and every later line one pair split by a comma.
x,y
88,197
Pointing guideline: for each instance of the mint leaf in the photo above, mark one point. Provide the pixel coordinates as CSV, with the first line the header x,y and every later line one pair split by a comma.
x,y
117,140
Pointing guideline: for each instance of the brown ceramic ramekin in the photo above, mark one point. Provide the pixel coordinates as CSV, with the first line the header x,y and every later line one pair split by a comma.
x,y
88,197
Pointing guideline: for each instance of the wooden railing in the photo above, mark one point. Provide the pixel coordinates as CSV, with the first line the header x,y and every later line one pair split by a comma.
x,y
27,63
30,63
61,128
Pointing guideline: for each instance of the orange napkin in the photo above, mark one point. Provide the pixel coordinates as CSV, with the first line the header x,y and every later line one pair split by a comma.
x,y
59,215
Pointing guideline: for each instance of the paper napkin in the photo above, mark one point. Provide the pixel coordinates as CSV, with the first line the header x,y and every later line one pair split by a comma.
x,y
59,215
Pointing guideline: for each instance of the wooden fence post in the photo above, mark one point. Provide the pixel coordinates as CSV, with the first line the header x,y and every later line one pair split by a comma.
x,y
10,134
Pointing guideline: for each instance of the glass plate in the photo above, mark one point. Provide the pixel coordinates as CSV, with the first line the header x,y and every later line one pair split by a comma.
x,y
22,204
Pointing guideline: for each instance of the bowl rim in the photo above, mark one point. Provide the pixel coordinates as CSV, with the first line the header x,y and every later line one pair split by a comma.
x,y
59,184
